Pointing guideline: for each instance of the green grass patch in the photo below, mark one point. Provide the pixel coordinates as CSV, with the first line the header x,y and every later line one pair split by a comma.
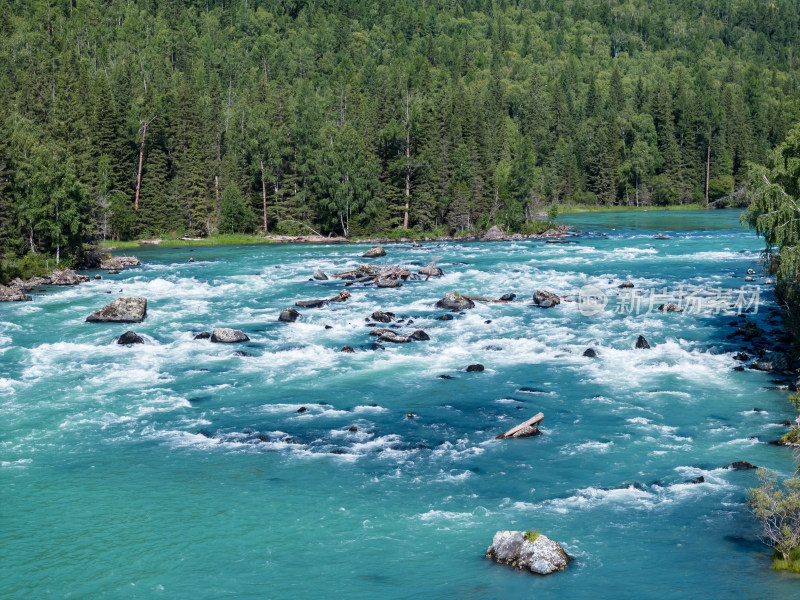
x,y
791,437
532,535
27,266
223,239
590,208
111,244
792,565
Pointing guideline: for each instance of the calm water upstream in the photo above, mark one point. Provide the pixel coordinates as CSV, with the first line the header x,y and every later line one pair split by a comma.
x,y
138,472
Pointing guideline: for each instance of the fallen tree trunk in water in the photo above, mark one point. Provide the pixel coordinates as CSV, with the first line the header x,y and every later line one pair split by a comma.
x,y
535,420
484,299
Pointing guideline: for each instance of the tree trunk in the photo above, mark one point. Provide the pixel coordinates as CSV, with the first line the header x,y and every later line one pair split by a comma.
x,y
708,171
264,196
141,162
408,164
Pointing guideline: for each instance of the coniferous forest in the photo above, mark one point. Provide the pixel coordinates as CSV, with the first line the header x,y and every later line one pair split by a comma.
x,y
129,119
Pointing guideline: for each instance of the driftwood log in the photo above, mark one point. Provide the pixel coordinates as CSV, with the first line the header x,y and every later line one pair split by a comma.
x,y
535,420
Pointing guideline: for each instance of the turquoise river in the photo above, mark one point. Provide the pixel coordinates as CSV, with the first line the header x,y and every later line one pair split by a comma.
x,y
183,469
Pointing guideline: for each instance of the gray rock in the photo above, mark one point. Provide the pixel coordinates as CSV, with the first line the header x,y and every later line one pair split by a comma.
x,y
495,234
128,338
625,285
376,252
546,299
119,262
288,315
12,294
751,271
394,338
225,335
453,302
67,277
202,336
542,556
670,307
382,317
416,244
385,282
641,343
121,310
431,271
420,336
590,353
773,361
319,275
347,349
311,303
508,297
749,279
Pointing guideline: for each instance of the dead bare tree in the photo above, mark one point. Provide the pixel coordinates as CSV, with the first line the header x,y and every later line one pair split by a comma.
x,y
144,125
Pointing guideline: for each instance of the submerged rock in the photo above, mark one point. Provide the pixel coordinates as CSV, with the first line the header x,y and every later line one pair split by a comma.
x,y
347,349
742,356
202,336
385,282
455,302
590,353
445,317
751,271
225,335
741,465
289,315
546,299
541,556
476,368
641,343
128,338
121,310
375,252
508,297
341,296
311,303
12,294
420,336
625,285
319,275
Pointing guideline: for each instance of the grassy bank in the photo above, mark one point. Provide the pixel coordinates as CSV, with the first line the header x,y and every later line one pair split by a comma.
x,y
586,208
792,565
212,240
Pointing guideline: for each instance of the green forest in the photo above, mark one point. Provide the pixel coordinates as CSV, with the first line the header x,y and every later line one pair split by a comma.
x,y
130,119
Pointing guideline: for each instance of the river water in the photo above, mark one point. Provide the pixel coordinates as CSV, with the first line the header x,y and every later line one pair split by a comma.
x,y
179,469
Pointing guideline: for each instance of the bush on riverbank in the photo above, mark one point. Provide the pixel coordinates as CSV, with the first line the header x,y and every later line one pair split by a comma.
x,y
777,508
26,266
792,564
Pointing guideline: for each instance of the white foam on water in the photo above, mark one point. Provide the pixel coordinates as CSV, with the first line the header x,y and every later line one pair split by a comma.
x,y
591,446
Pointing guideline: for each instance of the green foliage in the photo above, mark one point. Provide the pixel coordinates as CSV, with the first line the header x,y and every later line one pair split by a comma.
x,y
337,115
777,508
27,266
792,564
532,535
236,215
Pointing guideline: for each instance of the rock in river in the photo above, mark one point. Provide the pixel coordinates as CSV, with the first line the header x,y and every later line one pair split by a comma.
x,y
375,252
541,556
121,310
67,277
431,271
773,361
387,282
128,338
289,315
476,368
546,299
641,343
590,353
382,317
11,294
394,338
455,302
419,336
495,234
319,275
224,335
670,307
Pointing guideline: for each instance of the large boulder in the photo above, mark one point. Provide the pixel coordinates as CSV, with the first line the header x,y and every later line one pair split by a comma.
x,y
394,338
386,282
67,277
641,343
495,234
224,335
289,315
121,310
319,275
382,317
546,299
128,338
773,361
12,294
419,336
311,303
455,302
528,551
119,262
376,252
